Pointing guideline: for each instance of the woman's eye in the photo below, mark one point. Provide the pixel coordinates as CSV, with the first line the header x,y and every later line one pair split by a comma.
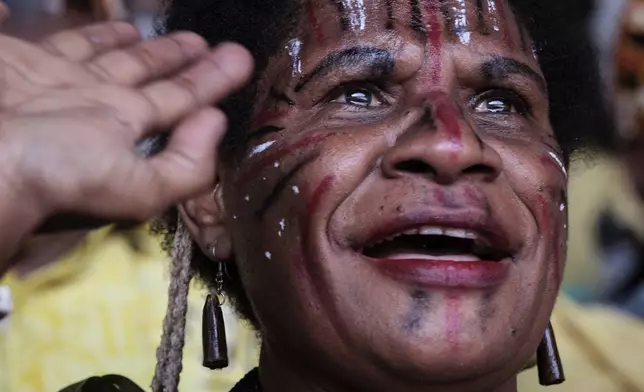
x,y
358,97
498,104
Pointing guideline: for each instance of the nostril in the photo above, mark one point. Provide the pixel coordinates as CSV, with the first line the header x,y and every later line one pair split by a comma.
x,y
414,166
480,169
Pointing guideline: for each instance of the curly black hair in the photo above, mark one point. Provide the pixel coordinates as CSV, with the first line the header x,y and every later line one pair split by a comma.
x,y
558,28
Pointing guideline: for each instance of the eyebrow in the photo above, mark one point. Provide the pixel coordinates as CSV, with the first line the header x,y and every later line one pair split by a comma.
x,y
499,68
379,61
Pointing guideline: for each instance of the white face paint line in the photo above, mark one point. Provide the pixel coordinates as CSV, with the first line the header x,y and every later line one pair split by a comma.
x,y
559,162
262,147
294,48
356,14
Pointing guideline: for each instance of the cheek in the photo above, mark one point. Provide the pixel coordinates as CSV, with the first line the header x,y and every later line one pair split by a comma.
x,y
538,178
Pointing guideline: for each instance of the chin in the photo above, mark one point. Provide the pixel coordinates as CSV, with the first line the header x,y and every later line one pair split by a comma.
x,y
431,359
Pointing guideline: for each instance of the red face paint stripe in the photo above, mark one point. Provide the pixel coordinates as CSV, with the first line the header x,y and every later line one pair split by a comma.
x,y
319,192
279,154
434,32
313,22
453,320
447,115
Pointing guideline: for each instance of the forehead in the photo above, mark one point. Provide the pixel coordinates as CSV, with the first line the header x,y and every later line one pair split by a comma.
x,y
459,21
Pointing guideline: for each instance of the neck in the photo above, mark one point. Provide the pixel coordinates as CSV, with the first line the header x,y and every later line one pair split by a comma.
x,y
43,250
278,375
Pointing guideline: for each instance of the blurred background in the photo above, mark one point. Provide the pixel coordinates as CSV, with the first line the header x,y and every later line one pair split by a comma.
x,y
74,315
35,18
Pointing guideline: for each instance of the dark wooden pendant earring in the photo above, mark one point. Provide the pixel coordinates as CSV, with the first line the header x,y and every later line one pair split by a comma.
x,y
548,361
215,349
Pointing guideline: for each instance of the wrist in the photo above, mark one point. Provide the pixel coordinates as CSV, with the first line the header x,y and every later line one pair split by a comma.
x,y
21,211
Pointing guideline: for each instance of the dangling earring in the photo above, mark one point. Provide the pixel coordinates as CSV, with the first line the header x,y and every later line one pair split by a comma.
x,y
548,361
215,349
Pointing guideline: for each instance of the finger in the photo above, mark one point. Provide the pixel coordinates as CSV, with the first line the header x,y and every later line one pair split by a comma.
x,y
23,60
149,60
188,164
85,43
218,74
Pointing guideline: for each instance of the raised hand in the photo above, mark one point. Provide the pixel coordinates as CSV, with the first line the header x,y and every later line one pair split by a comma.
x,y
73,108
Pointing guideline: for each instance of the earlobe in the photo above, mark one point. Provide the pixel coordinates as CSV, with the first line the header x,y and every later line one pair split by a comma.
x,y
204,217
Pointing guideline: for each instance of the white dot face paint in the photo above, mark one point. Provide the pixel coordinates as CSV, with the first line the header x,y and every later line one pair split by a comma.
x,y
247,198
282,227
262,147
559,162
356,14
268,255
294,48
296,190
234,217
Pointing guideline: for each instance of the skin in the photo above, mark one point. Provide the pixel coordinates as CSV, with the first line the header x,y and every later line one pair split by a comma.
x,y
320,172
96,91
42,250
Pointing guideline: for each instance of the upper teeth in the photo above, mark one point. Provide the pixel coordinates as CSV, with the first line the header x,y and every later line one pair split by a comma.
x,y
434,230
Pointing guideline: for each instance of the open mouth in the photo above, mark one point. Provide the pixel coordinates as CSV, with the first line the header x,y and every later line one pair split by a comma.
x,y
435,243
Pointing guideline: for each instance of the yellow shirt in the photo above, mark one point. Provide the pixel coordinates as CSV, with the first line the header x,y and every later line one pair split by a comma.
x,y
602,350
595,186
99,311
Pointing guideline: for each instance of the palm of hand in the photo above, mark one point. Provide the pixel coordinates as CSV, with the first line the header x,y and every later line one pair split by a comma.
x,y
73,107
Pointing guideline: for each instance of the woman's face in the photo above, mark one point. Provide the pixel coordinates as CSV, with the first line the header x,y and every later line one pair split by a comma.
x,y
399,213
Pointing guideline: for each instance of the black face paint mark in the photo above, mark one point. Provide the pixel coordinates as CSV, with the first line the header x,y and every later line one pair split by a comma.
x,y
417,18
488,310
344,21
450,30
390,14
499,68
377,63
273,197
420,305
481,10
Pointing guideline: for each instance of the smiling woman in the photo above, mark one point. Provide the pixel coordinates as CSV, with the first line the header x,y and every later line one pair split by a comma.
x,y
399,167
390,211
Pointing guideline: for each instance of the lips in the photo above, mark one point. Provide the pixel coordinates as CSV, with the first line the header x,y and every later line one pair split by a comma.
x,y
467,249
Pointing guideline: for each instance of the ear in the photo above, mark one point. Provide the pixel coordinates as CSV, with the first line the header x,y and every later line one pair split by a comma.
x,y
204,217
